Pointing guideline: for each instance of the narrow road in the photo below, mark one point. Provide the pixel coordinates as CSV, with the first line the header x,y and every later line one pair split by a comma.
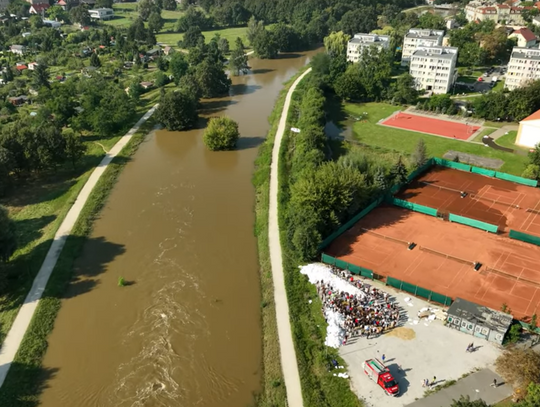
x,y
286,344
22,321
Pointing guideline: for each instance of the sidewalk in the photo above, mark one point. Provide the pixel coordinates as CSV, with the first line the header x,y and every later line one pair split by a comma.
x,y
476,386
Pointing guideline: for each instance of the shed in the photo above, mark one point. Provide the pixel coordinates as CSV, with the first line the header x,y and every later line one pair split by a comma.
x,y
479,321
529,131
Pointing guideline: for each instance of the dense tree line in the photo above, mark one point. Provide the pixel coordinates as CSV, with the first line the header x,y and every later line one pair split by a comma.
x,y
324,193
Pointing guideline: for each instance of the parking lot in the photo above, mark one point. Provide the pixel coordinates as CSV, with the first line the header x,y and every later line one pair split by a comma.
x,y
495,74
422,348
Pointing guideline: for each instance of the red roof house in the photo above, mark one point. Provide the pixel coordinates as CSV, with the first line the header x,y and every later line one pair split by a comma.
x,y
38,8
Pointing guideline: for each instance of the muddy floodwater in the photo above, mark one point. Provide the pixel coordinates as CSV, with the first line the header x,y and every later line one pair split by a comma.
x,y
178,227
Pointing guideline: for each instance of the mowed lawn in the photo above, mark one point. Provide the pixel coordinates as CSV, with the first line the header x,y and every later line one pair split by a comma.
x,y
230,34
372,134
126,13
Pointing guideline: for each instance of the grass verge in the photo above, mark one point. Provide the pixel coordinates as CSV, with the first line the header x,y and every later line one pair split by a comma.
x,y
273,393
26,378
509,140
387,138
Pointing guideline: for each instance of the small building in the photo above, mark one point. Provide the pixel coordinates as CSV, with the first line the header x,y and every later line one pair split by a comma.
x,y
479,321
52,23
146,85
21,68
101,13
26,34
32,65
529,131
168,50
359,42
18,49
536,21
62,4
18,100
525,37
39,8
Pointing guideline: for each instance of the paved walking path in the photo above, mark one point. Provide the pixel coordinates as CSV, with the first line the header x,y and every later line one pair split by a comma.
x,y
286,344
476,386
503,130
22,321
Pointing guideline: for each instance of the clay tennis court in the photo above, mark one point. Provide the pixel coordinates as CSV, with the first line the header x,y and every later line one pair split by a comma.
x,y
491,200
443,259
445,128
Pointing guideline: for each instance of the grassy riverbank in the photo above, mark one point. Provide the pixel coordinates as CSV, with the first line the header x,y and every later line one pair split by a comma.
x,y
274,393
27,377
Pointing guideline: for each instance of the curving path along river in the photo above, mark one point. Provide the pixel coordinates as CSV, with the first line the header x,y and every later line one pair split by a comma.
x,y
179,226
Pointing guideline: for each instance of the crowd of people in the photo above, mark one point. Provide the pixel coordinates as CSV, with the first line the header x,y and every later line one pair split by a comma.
x,y
369,312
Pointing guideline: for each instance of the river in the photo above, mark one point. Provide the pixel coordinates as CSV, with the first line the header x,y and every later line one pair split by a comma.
x,y
178,227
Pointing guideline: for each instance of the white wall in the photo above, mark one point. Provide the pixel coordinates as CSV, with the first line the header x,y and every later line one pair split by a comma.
x,y
530,134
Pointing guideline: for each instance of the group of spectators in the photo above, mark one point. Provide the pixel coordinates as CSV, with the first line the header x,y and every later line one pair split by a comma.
x,y
369,313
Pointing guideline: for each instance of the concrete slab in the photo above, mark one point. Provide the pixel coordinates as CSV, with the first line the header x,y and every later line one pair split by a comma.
x,y
435,350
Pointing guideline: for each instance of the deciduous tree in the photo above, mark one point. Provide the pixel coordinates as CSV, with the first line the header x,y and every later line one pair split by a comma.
x,y
192,37
519,366
221,134
8,242
177,110
212,79
178,66
75,147
155,22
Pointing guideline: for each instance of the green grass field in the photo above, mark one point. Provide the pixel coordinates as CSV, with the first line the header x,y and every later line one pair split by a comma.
x,y
230,34
509,140
485,132
387,138
126,13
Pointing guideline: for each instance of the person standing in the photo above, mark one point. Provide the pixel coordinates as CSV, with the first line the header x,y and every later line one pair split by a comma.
x,y
494,384
383,357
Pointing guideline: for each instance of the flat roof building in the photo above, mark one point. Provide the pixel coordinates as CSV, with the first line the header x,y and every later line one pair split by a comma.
x,y
434,68
418,37
359,42
479,321
524,66
101,13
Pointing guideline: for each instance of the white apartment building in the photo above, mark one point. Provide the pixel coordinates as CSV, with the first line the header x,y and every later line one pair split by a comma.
x,y
524,66
500,13
418,37
357,44
434,68
101,13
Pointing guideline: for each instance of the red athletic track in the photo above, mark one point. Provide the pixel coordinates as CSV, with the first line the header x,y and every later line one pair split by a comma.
x,y
423,124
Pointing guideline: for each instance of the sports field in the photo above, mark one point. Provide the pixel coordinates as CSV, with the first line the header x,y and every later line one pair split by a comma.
x,y
443,259
438,127
491,200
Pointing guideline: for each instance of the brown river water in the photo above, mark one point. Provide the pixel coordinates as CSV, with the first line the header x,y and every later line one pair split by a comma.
x,y
178,226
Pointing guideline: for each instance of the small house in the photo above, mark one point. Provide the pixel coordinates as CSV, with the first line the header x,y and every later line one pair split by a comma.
x,y
525,37
32,65
39,8
21,68
62,4
146,85
479,321
52,23
18,49
18,100
101,13
168,50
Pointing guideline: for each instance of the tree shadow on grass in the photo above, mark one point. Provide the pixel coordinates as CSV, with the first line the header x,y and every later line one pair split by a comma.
x,y
31,229
38,191
16,394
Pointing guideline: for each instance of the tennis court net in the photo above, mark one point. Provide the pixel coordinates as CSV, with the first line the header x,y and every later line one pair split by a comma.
x,y
471,194
446,256
385,237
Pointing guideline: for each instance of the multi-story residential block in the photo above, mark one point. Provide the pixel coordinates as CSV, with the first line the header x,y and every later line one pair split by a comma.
x,y
418,37
524,66
357,44
434,68
500,13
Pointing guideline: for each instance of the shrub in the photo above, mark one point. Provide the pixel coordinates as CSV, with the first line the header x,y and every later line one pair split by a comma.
x,y
221,134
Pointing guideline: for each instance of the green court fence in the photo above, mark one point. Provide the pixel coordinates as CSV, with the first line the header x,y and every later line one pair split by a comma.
x,y
451,164
517,180
524,237
395,189
473,223
413,206
350,223
483,171
529,328
358,270
418,291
